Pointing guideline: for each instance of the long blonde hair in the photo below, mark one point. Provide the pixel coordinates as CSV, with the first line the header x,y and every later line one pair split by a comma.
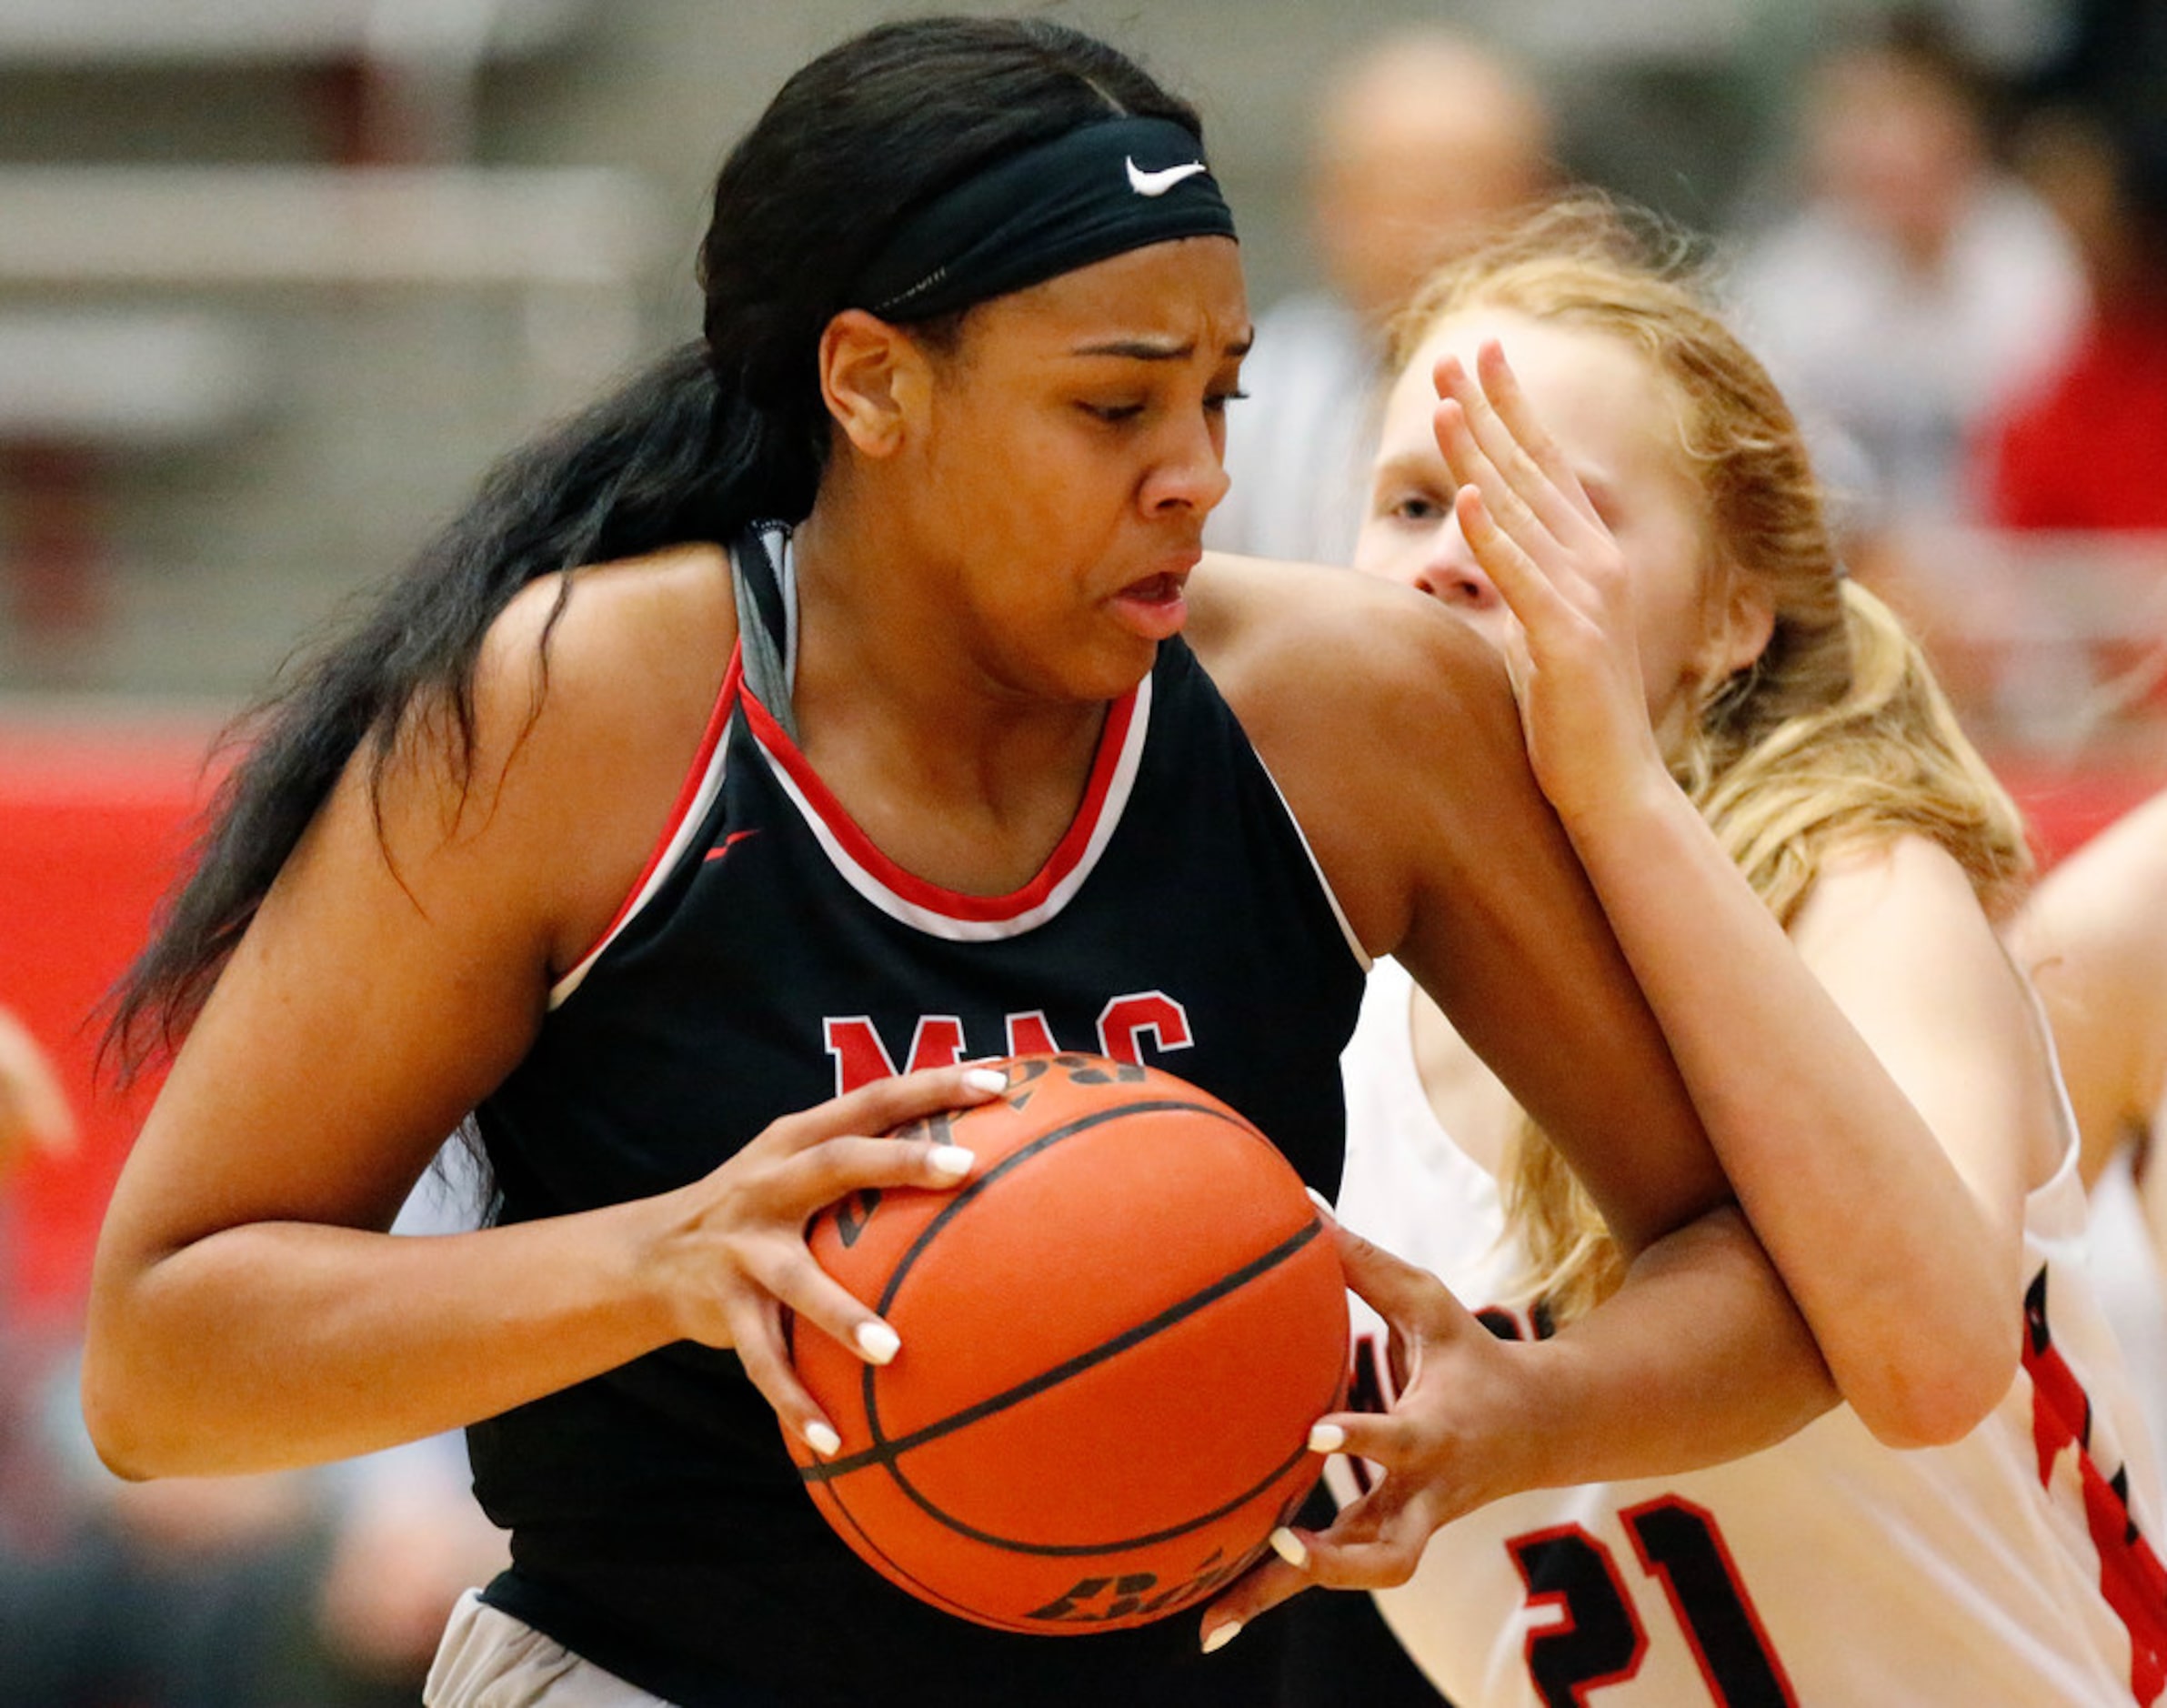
x,y
1836,737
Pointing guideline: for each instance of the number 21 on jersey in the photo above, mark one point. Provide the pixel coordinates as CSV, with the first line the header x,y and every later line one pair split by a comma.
x,y
1599,1638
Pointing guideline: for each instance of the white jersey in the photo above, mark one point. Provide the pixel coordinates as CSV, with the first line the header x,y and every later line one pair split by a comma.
x,y
2009,1570
2125,1265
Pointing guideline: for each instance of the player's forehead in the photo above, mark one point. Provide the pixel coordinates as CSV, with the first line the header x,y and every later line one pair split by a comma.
x,y
1183,299
1593,390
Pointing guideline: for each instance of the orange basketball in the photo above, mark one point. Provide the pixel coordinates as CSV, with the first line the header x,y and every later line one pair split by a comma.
x,y
1116,1336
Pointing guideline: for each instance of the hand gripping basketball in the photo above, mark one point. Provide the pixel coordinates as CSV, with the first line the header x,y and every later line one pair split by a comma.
x,y
733,1265
1115,1338
1446,1447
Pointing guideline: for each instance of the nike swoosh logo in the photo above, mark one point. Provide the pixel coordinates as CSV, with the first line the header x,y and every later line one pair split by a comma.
x,y
729,842
1159,183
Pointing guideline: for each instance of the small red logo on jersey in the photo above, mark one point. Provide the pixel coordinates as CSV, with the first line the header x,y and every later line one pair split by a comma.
x,y
729,842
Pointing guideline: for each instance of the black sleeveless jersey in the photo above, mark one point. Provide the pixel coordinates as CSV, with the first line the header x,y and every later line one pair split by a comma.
x,y
771,957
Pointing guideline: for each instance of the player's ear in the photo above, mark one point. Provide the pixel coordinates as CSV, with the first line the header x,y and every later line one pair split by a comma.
x,y
1741,622
875,380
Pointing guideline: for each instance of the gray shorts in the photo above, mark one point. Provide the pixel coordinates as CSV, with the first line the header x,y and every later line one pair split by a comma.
x,y
490,1660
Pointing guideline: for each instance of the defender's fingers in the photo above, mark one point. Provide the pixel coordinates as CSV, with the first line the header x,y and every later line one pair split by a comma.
x,y
1474,471
1535,595
1515,415
1264,1586
1530,481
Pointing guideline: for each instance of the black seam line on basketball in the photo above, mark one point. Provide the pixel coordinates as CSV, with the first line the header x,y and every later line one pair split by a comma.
x,y
1119,1544
887,1450
868,1389
969,1194
939,1598
869,1392
1097,1549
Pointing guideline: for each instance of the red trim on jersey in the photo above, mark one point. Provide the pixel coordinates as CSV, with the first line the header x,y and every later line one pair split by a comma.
x,y
718,720
955,904
2133,1579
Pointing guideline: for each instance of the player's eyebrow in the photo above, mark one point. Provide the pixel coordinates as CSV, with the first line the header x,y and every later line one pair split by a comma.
x,y
1426,467
1158,350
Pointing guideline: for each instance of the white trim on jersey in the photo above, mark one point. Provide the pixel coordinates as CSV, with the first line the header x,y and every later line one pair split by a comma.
x,y
931,919
1361,956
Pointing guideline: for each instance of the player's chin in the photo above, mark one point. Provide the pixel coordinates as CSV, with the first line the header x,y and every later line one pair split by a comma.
x,y
1105,660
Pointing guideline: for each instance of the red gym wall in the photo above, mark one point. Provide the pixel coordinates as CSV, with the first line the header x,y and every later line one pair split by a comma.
x,y
94,824
94,821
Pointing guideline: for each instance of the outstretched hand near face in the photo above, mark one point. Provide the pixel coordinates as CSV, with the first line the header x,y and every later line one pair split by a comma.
x,y
1574,659
1446,1447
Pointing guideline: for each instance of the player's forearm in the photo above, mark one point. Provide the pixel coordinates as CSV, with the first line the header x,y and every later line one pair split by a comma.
x,y
1908,1285
1700,1357
283,1343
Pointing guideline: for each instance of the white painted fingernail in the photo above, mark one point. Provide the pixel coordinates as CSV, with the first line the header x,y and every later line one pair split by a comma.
x,y
1289,1547
1319,1199
878,1341
823,1440
986,1079
1326,1438
951,1162
1214,1641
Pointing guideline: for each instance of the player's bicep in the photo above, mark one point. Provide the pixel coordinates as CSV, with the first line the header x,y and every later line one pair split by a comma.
x,y
385,984
1919,972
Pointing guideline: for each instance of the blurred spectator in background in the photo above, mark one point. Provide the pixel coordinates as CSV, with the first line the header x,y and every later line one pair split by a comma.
x,y
1920,287
1420,141
2112,59
2087,447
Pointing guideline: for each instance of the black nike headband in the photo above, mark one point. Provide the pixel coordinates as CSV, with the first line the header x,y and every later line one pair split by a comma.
x,y
1095,192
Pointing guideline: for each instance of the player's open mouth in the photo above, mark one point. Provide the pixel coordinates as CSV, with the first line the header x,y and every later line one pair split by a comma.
x,y
1154,606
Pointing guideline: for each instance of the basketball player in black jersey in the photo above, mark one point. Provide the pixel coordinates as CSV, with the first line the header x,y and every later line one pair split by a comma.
x,y
682,856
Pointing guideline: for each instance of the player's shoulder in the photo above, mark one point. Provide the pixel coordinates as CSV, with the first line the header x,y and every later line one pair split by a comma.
x,y
641,641
1311,641
590,695
668,605
1901,901
2095,928
1860,879
1387,723
588,688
